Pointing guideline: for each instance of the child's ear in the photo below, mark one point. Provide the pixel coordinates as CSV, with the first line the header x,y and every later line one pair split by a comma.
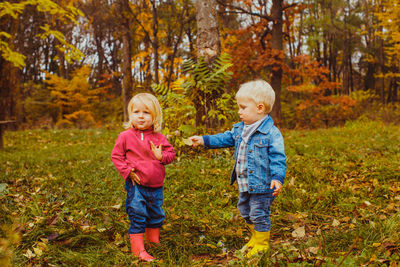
x,y
261,108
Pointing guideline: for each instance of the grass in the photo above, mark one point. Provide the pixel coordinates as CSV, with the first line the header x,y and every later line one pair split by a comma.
x,y
62,202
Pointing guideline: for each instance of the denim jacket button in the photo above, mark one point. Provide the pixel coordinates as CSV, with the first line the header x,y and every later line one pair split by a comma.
x,y
250,151
251,189
250,171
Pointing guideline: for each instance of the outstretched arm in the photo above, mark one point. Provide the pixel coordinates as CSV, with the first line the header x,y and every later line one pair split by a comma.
x,y
197,140
214,141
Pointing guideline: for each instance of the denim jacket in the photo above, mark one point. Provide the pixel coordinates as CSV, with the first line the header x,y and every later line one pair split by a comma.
x,y
265,154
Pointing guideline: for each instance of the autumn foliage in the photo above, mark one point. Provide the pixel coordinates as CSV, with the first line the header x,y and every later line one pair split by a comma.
x,y
73,98
318,106
329,54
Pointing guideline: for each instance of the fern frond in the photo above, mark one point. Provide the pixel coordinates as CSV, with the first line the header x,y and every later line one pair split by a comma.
x,y
160,89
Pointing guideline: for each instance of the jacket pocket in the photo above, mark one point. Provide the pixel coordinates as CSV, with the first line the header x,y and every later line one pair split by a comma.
x,y
261,150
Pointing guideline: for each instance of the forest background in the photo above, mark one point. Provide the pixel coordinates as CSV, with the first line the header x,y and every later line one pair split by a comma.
x,y
75,63
72,65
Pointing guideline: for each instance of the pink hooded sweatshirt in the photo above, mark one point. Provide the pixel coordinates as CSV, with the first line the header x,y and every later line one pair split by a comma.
x,y
132,150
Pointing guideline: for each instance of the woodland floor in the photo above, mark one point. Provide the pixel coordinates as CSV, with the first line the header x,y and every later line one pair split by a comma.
x,y
62,202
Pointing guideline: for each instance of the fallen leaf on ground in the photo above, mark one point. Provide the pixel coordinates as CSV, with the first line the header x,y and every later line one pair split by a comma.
x,y
299,232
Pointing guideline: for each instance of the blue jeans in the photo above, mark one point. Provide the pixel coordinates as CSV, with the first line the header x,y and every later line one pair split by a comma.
x,y
144,207
255,209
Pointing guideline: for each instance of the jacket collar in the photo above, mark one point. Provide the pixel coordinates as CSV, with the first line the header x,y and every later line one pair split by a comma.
x,y
264,128
150,130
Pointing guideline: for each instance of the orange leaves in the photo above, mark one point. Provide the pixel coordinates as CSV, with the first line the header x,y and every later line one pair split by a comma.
x,y
73,97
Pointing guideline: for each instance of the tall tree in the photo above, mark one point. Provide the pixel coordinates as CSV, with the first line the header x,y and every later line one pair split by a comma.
x,y
277,47
125,15
208,49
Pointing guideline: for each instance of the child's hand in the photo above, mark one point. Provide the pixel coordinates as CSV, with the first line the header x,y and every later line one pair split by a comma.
x,y
278,187
197,140
157,150
133,176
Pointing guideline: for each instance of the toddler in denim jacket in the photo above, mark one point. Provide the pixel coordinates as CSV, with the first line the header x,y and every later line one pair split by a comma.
x,y
260,165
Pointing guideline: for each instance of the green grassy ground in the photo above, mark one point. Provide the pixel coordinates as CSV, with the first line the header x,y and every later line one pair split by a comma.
x,y
62,202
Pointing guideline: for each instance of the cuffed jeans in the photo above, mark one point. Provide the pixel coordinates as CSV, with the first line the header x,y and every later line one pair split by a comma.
x,y
255,209
144,207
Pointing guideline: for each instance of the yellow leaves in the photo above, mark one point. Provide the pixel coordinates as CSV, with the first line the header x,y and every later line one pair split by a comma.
x,y
388,29
45,6
74,97
11,9
17,59
71,53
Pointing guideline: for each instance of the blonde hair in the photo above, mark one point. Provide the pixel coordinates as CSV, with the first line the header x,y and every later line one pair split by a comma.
x,y
151,102
258,91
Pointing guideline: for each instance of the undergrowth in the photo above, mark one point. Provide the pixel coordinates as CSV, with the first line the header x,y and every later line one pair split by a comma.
x,y
62,202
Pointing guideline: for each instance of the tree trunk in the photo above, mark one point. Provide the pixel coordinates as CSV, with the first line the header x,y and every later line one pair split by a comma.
x,y
208,43
208,48
382,71
277,46
175,45
369,80
126,57
345,64
381,60
155,43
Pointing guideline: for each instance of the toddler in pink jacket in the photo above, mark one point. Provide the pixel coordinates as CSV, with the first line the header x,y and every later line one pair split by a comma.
x,y
139,155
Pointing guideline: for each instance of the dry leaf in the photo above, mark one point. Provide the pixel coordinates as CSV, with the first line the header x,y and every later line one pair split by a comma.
x,y
116,207
187,141
299,232
313,250
366,202
38,251
335,223
29,254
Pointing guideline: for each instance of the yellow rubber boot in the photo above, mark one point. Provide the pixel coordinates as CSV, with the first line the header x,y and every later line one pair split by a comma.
x,y
261,243
252,240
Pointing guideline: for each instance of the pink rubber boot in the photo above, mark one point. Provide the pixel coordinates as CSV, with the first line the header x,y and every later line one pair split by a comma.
x,y
153,236
137,246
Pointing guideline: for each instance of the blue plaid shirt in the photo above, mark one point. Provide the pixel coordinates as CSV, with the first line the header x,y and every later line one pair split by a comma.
x,y
241,159
241,168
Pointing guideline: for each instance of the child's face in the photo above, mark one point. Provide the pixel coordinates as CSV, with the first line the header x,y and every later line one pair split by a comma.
x,y
142,119
249,111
